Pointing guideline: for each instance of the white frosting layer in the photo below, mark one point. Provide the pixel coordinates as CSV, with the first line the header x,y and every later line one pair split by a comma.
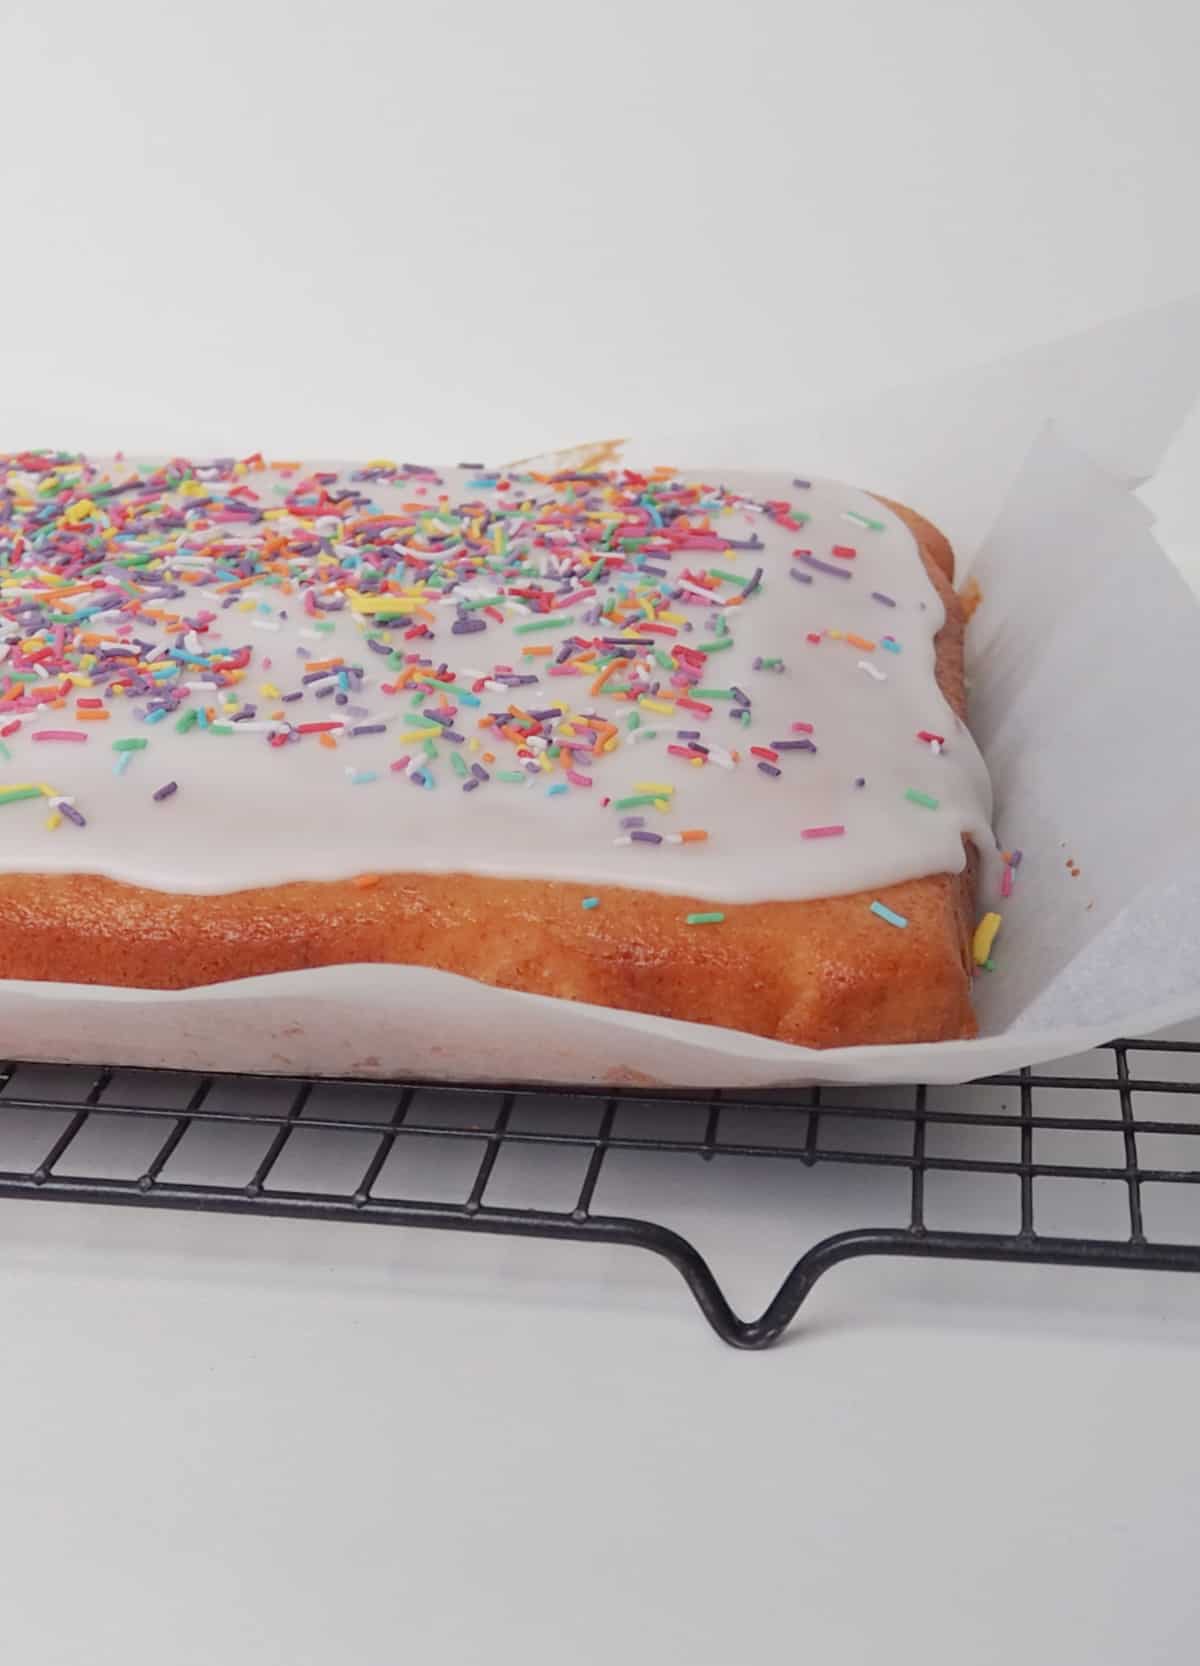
x,y
250,814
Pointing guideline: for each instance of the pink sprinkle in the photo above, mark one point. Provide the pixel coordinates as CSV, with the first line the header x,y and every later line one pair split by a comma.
x,y
10,728
59,734
802,728
400,763
846,551
564,671
578,780
1006,881
821,832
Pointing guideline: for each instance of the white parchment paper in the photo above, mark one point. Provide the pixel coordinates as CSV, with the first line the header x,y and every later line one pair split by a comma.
x,y
1083,658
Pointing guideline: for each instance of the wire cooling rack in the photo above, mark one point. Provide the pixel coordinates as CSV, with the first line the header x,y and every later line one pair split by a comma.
x,y
1097,1168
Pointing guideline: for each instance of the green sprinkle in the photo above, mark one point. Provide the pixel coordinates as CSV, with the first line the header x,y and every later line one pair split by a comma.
x,y
864,520
129,745
885,913
510,775
457,764
591,902
10,795
555,622
715,647
730,578
5,753
711,693
325,625
664,660
187,721
220,728
915,797
770,664
635,721
704,919
430,748
635,799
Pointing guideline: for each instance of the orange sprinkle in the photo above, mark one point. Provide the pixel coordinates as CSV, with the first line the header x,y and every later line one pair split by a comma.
x,y
489,757
861,642
364,881
91,717
600,681
328,740
539,653
324,664
694,835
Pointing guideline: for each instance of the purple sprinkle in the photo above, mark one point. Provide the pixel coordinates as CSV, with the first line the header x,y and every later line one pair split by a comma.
x,y
645,838
437,717
467,627
801,578
792,746
72,814
860,781
480,774
754,583
810,560
453,734
687,734
368,729
878,596
628,822
165,791
742,698
803,485
470,786
768,769
1014,860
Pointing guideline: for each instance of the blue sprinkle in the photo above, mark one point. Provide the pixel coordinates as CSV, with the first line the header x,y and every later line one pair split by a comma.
x,y
591,902
885,913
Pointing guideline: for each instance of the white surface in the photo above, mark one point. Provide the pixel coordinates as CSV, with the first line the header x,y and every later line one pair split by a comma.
x,y
311,227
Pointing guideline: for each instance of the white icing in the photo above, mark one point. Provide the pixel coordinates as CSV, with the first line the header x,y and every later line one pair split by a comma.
x,y
248,814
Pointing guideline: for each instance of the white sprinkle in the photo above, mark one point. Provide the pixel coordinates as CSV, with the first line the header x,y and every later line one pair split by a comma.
x,y
859,520
872,671
310,635
264,624
413,765
699,590
623,840
718,755
935,746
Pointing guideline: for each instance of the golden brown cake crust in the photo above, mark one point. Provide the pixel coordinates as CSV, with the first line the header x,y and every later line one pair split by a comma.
x,y
819,973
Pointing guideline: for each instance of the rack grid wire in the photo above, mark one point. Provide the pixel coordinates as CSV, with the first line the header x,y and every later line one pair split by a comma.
x,y
57,1142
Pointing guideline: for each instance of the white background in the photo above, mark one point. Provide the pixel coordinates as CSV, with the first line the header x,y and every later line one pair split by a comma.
x,y
437,231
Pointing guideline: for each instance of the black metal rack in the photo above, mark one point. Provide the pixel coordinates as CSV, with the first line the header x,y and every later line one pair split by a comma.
x,y
223,1142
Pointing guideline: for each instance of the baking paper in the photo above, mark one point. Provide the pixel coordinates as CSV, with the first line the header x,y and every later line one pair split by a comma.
x,y
1082,660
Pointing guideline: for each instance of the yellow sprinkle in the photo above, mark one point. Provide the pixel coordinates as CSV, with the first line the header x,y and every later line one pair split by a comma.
x,y
666,618
422,734
473,744
611,743
546,762
383,607
985,936
53,820
656,705
247,607
835,636
566,731
653,787
269,691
